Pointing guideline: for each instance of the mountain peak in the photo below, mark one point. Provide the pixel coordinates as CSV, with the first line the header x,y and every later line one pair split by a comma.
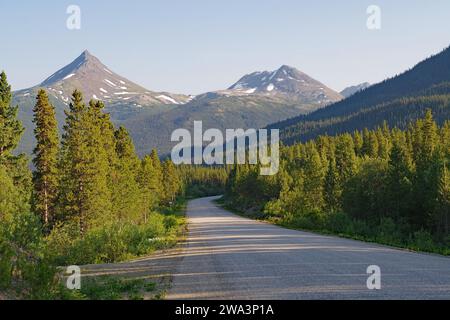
x,y
286,82
287,68
349,91
86,56
88,74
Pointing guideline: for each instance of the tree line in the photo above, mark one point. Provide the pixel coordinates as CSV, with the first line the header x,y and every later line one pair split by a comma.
x,y
384,183
89,198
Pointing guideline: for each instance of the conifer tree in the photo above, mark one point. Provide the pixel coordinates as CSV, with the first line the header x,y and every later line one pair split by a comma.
x,y
84,165
171,181
332,193
149,185
346,161
10,127
400,175
45,159
443,200
358,142
314,175
126,193
158,171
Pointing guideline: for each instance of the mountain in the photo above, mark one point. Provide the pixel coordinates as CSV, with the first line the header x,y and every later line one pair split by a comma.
x,y
255,101
349,91
123,98
97,81
286,82
398,100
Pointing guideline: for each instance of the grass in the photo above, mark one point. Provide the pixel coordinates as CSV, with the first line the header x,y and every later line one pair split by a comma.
x,y
115,288
123,287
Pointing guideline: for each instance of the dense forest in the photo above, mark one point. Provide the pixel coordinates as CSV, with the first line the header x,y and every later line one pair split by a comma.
x,y
385,185
397,100
89,199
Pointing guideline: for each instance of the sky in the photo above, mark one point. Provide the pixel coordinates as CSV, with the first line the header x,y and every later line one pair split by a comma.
x,y
195,46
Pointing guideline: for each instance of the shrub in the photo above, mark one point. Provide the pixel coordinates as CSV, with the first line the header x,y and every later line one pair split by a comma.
x,y
339,222
110,243
388,231
422,240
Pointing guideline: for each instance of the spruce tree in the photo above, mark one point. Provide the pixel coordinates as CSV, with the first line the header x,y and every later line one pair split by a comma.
x,y
85,167
10,127
399,180
158,172
443,200
45,159
346,161
171,181
125,188
332,193
149,185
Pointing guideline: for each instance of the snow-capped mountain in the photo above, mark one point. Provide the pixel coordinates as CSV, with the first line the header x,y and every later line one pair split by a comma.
x,y
97,81
256,100
123,98
349,91
288,82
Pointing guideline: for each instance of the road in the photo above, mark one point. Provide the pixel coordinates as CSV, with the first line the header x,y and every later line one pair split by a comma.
x,y
230,257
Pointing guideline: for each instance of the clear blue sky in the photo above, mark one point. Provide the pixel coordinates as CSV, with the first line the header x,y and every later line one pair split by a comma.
x,y
194,46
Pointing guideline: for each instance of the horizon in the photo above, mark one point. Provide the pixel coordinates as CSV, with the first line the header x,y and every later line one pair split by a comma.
x,y
201,47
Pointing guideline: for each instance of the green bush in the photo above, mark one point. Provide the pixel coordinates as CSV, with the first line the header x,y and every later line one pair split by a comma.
x,y
24,263
339,222
313,220
422,240
388,232
113,242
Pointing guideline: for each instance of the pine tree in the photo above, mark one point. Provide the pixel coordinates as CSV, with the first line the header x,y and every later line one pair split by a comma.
x,y
10,127
358,142
332,193
399,180
125,188
149,185
84,166
427,170
45,161
314,174
171,182
10,133
158,172
443,200
346,161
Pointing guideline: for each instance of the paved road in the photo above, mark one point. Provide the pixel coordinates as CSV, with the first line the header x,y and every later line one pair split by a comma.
x,y
229,257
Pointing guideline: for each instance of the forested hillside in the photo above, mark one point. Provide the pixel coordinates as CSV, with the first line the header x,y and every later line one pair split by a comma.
x,y
385,185
398,101
89,200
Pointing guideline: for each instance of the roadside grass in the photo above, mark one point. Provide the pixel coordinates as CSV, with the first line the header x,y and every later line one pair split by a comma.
x,y
115,288
420,241
118,242
123,287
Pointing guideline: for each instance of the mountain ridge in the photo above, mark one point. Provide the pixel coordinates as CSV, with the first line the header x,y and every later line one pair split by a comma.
x,y
147,113
400,98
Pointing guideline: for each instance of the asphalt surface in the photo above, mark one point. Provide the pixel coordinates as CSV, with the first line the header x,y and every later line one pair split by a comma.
x,y
230,257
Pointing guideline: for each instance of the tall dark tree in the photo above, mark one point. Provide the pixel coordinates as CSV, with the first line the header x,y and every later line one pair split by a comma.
x,y
10,127
85,166
45,159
